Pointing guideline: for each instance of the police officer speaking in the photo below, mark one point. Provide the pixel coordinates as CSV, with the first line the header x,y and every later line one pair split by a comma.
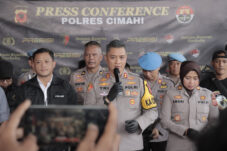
x,y
135,105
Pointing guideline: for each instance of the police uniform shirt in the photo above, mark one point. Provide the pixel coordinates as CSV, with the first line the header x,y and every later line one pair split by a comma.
x,y
4,107
83,84
159,89
129,106
176,81
25,77
180,112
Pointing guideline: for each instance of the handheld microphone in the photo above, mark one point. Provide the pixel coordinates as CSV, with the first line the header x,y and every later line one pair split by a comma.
x,y
116,74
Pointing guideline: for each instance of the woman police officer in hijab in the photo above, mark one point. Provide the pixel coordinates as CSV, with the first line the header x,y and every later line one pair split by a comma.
x,y
187,108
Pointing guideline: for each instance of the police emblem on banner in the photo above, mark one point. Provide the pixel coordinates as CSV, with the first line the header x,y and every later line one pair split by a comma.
x,y
195,52
8,41
21,16
64,71
184,14
169,38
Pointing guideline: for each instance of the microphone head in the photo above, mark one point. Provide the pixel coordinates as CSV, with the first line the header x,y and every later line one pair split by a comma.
x,y
116,71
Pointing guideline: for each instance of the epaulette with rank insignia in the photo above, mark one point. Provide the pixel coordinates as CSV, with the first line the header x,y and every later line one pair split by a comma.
x,y
100,72
83,73
179,87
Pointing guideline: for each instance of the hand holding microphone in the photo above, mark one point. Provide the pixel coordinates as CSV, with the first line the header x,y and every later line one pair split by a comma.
x,y
115,89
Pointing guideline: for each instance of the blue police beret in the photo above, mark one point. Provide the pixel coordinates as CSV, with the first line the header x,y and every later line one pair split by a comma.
x,y
30,52
150,61
176,56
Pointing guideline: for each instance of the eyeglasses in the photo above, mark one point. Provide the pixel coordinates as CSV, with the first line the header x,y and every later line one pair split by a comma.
x,y
6,80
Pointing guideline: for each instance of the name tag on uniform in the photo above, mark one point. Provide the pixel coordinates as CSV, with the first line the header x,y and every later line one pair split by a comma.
x,y
59,96
178,101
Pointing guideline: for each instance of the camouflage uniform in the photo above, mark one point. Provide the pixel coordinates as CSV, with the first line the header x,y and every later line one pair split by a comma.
x,y
180,112
83,84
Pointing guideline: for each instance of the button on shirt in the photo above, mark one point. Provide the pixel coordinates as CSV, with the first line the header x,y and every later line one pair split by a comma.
x,y
44,89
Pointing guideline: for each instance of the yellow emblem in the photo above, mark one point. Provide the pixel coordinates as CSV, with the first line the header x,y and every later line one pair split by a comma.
x,y
100,72
179,87
103,79
83,73
202,97
131,82
147,100
103,84
78,76
177,97
204,118
163,86
131,78
80,80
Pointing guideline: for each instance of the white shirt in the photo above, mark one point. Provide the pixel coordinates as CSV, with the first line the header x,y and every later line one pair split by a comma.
x,y
44,89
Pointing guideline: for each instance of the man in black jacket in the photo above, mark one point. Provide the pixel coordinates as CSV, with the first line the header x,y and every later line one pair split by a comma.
x,y
46,88
217,81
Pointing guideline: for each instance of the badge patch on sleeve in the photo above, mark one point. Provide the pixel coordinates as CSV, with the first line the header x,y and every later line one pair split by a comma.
x,y
148,99
177,118
132,101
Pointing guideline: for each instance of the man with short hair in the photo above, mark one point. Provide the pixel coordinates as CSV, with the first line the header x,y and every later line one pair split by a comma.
x,y
135,105
82,80
217,81
174,63
46,88
155,137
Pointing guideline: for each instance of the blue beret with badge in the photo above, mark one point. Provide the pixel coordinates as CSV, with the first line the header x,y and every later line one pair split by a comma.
x,y
176,57
150,61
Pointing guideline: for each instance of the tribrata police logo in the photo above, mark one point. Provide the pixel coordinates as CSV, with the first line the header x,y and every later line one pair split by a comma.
x,y
169,38
184,14
21,16
195,53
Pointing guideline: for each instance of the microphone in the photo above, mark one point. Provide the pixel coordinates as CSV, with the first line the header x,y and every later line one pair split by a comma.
x,y
116,74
